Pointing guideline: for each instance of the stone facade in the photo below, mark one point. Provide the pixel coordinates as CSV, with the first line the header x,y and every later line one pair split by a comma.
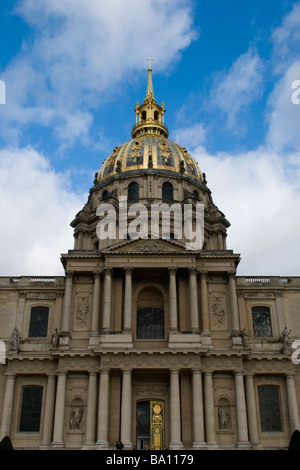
x,y
144,341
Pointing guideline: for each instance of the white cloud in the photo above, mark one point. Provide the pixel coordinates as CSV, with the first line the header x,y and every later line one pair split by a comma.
x,y
193,136
37,206
284,115
79,52
261,200
234,90
285,39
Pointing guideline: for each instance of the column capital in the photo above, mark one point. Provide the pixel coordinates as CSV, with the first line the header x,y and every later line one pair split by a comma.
x,y
239,372
232,273
172,270
193,271
69,274
107,271
203,274
97,274
128,270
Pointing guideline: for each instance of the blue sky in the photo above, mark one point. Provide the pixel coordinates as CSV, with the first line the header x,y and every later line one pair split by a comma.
x,y
73,71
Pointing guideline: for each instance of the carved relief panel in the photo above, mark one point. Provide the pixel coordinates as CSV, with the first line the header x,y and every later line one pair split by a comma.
x,y
218,314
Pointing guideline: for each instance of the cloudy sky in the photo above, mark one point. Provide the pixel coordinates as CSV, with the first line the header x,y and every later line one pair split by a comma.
x,y
73,70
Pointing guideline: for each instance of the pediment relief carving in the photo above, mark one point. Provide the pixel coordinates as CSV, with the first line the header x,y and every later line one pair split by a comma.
x,y
147,246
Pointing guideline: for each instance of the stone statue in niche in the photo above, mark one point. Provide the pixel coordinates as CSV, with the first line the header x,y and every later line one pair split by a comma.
x,y
76,416
245,338
224,417
55,339
15,340
286,339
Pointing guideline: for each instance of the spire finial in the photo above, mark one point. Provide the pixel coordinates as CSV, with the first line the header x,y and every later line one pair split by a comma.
x,y
149,84
149,62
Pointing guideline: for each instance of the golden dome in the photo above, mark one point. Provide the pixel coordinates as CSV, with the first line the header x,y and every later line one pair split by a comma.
x,y
150,151
150,147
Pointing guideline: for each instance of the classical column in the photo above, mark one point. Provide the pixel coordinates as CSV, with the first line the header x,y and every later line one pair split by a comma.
x,y
198,418
8,405
107,300
204,304
103,409
126,412
241,410
233,303
91,410
67,303
173,299
292,403
220,240
251,410
128,299
96,303
49,411
175,418
80,241
209,407
59,415
193,300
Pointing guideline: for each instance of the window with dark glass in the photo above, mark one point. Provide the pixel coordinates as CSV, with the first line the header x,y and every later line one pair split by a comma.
x,y
150,323
261,319
31,409
105,195
195,195
38,322
167,191
269,408
133,191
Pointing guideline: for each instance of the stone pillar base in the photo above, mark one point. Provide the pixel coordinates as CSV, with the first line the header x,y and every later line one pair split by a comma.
x,y
64,340
243,445
102,445
116,340
57,445
184,340
176,445
94,338
199,445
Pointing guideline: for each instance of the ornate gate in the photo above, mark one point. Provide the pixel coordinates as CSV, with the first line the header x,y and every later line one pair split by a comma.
x,y
157,425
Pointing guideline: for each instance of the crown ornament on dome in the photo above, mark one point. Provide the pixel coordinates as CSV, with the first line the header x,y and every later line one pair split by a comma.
x,y
149,115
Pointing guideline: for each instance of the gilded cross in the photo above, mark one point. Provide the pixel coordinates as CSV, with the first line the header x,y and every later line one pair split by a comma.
x,y
150,61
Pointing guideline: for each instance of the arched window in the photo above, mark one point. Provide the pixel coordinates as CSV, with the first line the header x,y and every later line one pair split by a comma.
x,y
167,191
104,195
150,314
31,409
133,191
269,408
261,320
38,326
195,195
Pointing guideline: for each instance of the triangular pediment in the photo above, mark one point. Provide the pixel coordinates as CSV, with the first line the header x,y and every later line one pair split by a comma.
x,y
147,246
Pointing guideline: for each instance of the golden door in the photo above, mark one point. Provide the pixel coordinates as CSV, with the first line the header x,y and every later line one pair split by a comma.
x,y
157,425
